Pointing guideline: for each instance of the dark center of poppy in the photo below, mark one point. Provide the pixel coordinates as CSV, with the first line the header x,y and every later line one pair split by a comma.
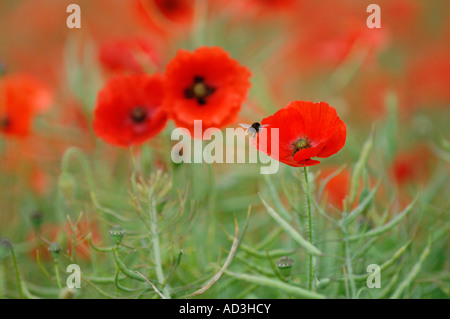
x,y
138,115
199,90
169,5
301,144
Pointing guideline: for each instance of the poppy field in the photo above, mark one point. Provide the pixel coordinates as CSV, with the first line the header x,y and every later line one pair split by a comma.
x,y
218,149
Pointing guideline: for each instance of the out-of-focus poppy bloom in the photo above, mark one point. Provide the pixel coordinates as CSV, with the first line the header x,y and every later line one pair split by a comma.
x,y
336,187
39,181
406,168
429,80
274,4
127,55
324,41
31,90
128,110
368,97
21,97
306,130
39,239
401,18
206,85
166,15
262,8
14,120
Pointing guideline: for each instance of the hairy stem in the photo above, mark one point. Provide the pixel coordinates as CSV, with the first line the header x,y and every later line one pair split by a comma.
x,y
58,279
310,230
348,262
2,281
156,249
16,268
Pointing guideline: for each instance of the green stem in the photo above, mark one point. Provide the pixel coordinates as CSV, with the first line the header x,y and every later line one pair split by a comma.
x,y
156,250
72,251
58,279
133,173
310,230
127,272
348,262
75,152
200,17
16,268
153,230
2,281
212,204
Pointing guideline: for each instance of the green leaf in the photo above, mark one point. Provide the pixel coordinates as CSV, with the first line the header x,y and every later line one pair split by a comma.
x,y
414,271
361,207
291,231
359,166
382,229
276,284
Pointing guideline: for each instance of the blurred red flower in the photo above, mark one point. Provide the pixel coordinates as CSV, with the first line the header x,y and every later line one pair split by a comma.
x,y
21,97
402,18
165,16
306,130
407,169
52,232
428,78
262,9
127,55
39,181
274,4
337,186
206,85
323,36
128,110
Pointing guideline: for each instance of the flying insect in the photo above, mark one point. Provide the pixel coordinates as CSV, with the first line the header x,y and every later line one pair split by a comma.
x,y
253,129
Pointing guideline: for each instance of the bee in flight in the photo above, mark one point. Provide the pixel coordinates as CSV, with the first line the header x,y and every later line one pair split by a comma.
x,y
253,129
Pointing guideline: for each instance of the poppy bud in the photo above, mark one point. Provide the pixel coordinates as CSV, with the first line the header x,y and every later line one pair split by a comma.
x,y
36,218
54,249
284,264
116,234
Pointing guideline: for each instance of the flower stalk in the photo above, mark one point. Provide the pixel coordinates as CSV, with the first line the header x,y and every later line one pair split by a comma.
x,y
156,250
310,230
2,281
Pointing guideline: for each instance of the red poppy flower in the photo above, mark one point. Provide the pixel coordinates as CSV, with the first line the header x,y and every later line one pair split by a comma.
x,y
128,110
127,55
21,97
206,85
166,15
306,130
